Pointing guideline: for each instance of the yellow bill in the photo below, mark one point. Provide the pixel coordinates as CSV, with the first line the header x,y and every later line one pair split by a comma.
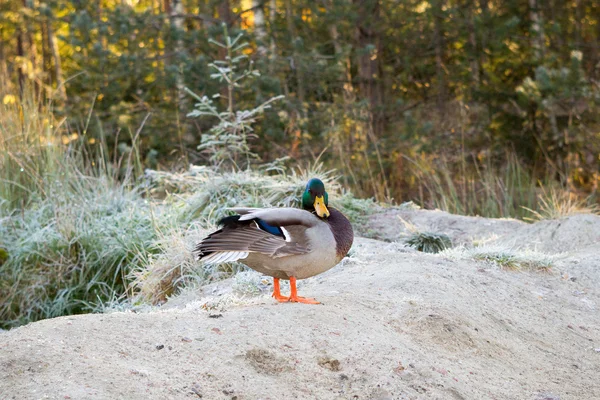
x,y
320,207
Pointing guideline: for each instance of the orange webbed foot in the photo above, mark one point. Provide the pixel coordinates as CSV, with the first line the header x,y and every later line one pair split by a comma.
x,y
294,298
294,294
280,298
305,300
276,292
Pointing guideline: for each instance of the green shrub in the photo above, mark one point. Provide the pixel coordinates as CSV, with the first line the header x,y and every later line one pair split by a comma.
x,y
429,242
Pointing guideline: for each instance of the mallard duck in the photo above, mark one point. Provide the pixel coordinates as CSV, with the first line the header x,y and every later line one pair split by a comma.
x,y
285,243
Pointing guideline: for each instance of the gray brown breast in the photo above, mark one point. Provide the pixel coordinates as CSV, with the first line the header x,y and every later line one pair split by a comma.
x,y
342,232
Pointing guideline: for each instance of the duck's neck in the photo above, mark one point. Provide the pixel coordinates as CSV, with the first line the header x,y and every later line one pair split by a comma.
x,y
342,232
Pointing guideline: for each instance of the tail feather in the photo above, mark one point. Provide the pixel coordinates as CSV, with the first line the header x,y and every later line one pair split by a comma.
x,y
230,222
237,238
211,253
218,257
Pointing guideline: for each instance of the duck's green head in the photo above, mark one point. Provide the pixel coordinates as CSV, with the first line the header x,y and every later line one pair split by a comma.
x,y
315,198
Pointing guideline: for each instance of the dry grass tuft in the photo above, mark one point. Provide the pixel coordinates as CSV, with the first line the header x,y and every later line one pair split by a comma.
x,y
555,204
504,257
160,274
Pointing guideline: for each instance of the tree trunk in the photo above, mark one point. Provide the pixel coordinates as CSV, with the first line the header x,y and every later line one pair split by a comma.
x,y
46,56
438,40
296,62
224,14
175,8
369,51
31,49
484,36
259,27
20,53
104,43
224,11
273,46
344,62
297,68
333,32
344,142
558,13
474,50
537,31
58,74
578,27
595,50
3,60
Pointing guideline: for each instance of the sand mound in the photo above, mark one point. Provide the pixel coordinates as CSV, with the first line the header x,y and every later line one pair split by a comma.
x,y
395,324
388,225
553,236
561,235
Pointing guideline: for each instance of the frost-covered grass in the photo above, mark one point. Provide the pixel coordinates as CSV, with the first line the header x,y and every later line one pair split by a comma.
x,y
504,257
100,241
207,192
173,267
251,283
427,242
71,252
202,196
72,223
79,231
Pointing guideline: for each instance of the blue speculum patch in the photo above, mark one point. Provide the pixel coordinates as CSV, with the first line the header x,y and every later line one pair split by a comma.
x,y
273,230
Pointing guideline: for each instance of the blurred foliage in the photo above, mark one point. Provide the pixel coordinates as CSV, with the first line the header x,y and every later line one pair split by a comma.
x,y
227,140
80,231
466,106
371,84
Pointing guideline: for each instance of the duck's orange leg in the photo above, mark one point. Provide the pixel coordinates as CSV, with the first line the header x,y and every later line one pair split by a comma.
x,y
276,292
294,294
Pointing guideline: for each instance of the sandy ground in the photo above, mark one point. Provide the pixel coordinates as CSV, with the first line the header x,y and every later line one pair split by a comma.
x,y
394,324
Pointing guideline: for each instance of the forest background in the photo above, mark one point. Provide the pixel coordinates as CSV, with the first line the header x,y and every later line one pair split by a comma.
x,y
388,91
487,107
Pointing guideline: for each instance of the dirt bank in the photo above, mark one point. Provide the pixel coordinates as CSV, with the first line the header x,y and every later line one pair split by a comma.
x,y
394,324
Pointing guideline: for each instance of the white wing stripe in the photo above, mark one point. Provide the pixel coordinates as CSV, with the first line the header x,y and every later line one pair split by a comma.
x,y
209,259
229,255
225,256
286,234
214,258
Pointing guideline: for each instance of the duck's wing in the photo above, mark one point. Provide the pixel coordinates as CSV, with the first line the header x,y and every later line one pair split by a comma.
x,y
243,210
273,232
278,216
